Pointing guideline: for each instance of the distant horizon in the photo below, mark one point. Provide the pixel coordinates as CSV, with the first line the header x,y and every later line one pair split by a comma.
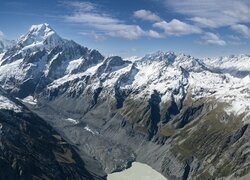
x,y
199,29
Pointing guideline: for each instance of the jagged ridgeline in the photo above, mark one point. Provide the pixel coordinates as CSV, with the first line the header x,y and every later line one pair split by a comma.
x,y
186,117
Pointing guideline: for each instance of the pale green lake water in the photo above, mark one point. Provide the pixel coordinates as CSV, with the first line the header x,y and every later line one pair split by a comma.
x,y
138,171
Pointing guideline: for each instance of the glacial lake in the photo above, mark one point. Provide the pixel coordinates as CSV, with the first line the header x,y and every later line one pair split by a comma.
x,y
138,171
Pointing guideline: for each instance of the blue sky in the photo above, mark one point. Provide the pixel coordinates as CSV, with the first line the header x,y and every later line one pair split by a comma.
x,y
201,28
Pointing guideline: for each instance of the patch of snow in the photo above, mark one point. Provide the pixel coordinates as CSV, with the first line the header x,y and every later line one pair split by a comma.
x,y
155,75
238,107
87,128
46,71
70,77
1,126
7,104
11,71
72,120
33,46
112,77
30,100
73,65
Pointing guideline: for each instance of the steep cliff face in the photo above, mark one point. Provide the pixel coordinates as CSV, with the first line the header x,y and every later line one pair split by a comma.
x,y
187,118
31,149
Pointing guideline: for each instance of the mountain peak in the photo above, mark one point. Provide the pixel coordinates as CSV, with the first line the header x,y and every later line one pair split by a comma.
x,y
39,32
160,56
41,28
40,25
40,36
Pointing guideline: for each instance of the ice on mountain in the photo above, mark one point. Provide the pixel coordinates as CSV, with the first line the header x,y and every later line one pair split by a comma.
x,y
7,104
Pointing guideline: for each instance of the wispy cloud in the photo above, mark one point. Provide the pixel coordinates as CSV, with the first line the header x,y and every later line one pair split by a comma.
x,y
241,29
173,28
135,32
213,13
1,34
235,40
203,22
81,6
94,35
177,28
90,14
95,19
155,34
211,38
146,15
127,31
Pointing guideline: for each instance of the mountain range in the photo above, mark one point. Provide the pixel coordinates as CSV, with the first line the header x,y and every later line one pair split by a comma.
x,y
188,118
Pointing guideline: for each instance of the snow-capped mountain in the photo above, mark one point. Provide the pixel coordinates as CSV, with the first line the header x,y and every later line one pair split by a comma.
x,y
39,37
42,53
171,75
175,112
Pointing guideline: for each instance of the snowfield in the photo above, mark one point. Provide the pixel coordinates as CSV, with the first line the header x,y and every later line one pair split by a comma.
x,y
7,104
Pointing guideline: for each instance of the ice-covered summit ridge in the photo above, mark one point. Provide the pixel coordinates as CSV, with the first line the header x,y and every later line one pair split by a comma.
x,y
40,36
160,56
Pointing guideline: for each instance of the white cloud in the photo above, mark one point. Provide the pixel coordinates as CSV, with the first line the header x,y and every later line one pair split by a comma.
x,y
241,29
134,32
235,40
91,18
213,13
146,15
81,6
96,36
131,32
1,34
211,38
154,34
177,28
89,14
203,22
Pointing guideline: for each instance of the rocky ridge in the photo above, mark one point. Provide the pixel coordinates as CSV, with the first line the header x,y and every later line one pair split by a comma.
x,y
31,149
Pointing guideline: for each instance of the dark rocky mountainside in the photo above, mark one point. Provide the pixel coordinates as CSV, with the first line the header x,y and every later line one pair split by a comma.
x,y
31,149
188,118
